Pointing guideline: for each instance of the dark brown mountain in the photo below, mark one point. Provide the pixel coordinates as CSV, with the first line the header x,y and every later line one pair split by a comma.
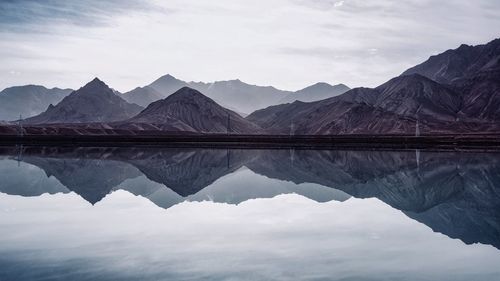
x,y
474,73
94,102
468,102
190,111
415,95
482,96
463,62
393,107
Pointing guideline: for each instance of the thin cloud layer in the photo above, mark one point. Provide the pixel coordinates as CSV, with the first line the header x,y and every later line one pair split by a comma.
x,y
286,43
27,15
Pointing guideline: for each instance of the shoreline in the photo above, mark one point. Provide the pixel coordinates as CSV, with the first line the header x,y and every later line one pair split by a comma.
x,y
468,141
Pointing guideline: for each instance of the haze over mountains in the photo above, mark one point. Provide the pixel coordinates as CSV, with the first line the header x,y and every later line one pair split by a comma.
x,y
233,94
28,100
457,91
236,95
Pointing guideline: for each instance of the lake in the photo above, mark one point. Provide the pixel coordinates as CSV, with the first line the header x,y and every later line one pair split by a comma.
x,y
144,213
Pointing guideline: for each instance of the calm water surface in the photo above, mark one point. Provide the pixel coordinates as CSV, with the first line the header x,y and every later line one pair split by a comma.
x,y
200,214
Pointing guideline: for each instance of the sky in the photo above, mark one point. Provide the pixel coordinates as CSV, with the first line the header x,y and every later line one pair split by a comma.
x,y
289,44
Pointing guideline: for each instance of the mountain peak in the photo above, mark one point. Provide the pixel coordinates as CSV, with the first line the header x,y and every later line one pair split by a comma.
x,y
187,93
321,84
189,110
95,83
166,77
456,64
167,84
316,92
94,102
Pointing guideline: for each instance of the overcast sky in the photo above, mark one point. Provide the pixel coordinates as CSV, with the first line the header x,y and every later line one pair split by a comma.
x,y
285,43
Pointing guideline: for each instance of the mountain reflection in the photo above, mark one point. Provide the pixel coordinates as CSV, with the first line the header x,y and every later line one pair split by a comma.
x,y
454,193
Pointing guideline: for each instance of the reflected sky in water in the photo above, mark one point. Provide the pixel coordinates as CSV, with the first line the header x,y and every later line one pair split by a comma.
x,y
197,214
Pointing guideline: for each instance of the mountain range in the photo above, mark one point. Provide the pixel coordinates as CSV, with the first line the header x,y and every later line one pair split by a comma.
x,y
464,97
233,94
457,91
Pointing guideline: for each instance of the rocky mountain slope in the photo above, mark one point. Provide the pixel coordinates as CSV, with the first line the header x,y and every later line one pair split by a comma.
x,y
189,110
463,62
468,102
94,102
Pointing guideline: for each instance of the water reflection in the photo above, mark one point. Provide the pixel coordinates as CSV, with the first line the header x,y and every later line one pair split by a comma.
x,y
454,193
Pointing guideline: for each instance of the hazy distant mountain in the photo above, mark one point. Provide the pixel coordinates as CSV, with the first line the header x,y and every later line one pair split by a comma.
x,y
316,92
167,85
453,65
240,96
142,96
189,110
28,100
233,94
95,102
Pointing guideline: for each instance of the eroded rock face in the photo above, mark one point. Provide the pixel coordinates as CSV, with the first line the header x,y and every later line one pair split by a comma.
x,y
464,62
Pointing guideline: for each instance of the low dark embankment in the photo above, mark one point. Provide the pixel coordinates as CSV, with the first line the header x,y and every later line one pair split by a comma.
x,y
470,141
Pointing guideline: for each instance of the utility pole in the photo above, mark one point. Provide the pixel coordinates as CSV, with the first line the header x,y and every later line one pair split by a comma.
x,y
417,125
20,125
19,154
417,129
228,123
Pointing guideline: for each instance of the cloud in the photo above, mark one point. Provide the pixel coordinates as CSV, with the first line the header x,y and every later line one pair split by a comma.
x,y
27,15
338,4
289,44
